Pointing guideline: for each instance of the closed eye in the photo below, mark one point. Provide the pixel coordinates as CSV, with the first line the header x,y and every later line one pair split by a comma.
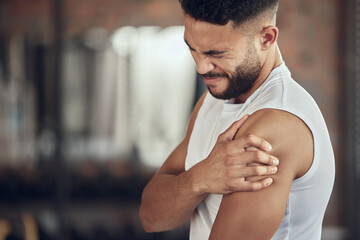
x,y
210,53
215,54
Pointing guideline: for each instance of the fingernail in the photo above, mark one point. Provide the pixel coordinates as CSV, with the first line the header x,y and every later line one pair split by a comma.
x,y
276,161
269,181
273,169
268,147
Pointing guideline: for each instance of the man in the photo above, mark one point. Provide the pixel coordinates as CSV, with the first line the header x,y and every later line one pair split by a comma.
x,y
211,176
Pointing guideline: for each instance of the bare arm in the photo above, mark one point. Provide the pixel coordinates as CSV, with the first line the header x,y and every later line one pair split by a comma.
x,y
257,215
171,196
169,199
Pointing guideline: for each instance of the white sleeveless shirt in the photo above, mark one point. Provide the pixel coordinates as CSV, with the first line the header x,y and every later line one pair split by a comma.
x,y
309,194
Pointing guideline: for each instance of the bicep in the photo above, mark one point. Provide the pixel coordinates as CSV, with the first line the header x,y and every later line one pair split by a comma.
x,y
257,215
253,215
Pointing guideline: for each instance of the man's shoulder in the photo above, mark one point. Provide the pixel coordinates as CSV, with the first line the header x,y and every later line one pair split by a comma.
x,y
278,122
289,136
282,92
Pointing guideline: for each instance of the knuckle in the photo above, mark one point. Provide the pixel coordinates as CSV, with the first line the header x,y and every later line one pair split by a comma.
x,y
250,137
258,170
228,161
253,187
258,155
230,185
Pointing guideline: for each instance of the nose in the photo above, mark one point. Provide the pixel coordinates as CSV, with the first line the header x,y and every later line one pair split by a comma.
x,y
204,64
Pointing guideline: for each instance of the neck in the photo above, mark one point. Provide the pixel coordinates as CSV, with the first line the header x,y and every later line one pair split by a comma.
x,y
274,61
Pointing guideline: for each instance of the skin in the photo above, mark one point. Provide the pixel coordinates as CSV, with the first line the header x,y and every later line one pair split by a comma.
x,y
249,201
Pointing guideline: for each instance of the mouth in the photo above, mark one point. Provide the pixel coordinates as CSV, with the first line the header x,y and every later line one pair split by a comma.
x,y
212,80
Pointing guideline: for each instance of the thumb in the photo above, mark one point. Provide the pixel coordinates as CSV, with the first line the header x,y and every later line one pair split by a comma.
x,y
230,133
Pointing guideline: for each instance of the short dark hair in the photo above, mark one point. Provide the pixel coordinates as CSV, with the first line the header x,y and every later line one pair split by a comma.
x,y
220,12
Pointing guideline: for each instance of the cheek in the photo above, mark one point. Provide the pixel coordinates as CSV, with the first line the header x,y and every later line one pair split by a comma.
x,y
227,66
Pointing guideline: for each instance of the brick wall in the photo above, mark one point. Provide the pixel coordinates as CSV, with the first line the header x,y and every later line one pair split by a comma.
x,y
23,16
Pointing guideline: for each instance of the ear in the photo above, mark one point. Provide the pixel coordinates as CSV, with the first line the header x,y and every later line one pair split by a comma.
x,y
269,36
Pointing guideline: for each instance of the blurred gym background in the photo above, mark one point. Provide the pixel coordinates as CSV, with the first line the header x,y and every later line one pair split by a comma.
x,y
94,94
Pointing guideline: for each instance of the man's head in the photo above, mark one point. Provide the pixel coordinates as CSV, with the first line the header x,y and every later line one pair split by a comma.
x,y
230,41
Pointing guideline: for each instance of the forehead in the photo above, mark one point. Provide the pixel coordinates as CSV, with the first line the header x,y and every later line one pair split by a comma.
x,y
205,35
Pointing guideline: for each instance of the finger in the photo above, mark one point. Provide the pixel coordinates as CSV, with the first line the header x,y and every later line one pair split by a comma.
x,y
242,158
249,186
256,186
230,133
253,140
251,171
252,149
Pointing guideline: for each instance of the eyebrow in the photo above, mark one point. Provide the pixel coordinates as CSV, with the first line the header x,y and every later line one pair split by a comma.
x,y
210,52
191,48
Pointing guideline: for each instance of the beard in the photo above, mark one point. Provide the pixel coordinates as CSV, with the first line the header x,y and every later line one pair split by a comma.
x,y
243,78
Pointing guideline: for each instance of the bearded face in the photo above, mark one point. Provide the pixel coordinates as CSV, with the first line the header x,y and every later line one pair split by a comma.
x,y
242,78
